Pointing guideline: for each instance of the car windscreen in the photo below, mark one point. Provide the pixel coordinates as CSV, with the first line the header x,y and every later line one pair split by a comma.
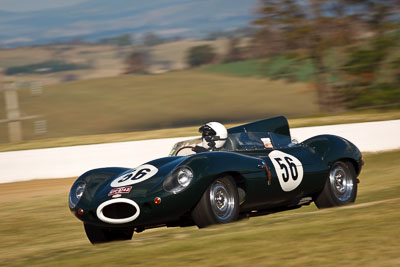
x,y
249,141
256,141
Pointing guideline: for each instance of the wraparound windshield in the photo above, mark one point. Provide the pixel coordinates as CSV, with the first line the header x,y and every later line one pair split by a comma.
x,y
243,141
257,141
248,141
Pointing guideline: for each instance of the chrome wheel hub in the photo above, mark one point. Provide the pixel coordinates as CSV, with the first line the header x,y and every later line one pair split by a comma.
x,y
341,182
222,201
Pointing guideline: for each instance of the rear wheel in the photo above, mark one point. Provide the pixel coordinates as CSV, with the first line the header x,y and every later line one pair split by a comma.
x,y
340,187
219,203
98,235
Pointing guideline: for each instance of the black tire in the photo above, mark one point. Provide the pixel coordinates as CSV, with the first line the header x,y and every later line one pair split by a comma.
x,y
97,235
219,204
340,187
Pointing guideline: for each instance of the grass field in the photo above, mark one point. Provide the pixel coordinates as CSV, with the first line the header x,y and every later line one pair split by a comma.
x,y
37,229
247,68
137,102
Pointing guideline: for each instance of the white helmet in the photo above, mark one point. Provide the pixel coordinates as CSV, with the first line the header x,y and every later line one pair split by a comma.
x,y
213,134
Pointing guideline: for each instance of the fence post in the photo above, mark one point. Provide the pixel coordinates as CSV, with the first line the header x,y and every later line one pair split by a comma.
x,y
13,113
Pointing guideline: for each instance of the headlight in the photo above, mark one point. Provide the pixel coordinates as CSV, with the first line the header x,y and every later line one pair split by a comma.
x,y
184,176
178,180
76,193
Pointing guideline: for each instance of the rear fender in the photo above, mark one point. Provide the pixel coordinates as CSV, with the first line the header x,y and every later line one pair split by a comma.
x,y
332,148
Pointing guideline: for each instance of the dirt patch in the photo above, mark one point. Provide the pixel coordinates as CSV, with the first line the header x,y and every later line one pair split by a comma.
x,y
34,188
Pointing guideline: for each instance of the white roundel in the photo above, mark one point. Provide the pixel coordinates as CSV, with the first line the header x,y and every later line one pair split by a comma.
x,y
137,175
288,169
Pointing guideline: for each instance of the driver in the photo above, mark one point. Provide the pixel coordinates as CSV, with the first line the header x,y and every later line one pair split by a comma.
x,y
213,136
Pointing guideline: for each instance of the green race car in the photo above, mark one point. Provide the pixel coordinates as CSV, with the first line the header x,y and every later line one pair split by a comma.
x,y
249,170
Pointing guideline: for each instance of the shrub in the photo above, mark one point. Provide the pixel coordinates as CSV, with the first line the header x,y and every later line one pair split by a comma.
x,y
200,55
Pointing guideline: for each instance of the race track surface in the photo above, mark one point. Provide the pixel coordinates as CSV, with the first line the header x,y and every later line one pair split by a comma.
x,y
73,161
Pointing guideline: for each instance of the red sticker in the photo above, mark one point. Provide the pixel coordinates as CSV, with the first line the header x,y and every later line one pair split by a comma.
x,y
120,190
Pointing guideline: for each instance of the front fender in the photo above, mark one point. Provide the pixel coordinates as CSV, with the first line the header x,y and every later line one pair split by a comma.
x,y
210,165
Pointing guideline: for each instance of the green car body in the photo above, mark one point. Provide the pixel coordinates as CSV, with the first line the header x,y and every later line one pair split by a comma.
x,y
268,179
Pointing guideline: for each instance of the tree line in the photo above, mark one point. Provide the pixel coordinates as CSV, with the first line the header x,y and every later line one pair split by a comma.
x,y
362,34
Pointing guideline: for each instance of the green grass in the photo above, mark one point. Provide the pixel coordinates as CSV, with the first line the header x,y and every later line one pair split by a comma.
x,y
40,231
279,67
138,102
245,68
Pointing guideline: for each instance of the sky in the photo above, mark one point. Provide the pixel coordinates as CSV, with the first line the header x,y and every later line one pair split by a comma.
x,y
42,21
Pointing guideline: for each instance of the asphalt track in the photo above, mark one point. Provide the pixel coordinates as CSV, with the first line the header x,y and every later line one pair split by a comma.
x,y
72,161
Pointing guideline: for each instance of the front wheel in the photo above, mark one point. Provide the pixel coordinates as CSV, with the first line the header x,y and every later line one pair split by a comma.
x,y
98,235
219,204
340,187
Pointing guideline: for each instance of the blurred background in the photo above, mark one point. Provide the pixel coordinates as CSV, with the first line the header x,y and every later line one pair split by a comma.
x,y
87,67
96,71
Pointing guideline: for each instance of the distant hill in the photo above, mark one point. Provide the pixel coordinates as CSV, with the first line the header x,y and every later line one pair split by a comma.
x,y
95,19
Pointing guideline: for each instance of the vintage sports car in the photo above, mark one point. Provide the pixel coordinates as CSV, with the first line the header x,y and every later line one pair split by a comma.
x,y
249,170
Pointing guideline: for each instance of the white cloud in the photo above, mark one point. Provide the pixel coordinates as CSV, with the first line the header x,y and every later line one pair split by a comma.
x,y
35,5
